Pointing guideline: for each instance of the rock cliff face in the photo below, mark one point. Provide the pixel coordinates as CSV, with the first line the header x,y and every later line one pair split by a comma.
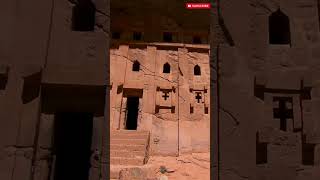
x,y
53,78
267,80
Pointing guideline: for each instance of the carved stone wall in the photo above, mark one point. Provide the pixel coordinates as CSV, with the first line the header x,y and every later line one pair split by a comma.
x,y
267,117
46,67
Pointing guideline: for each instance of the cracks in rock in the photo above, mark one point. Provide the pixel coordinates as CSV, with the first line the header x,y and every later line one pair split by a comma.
x,y
103,13
17,147
153,73
300,169
158,77
237,122
200,165
72,2
226,33
148,72
258,3
284,65
116,108
213,67
233,171
45,148
100,27
158,115
183,161
125,57
191,56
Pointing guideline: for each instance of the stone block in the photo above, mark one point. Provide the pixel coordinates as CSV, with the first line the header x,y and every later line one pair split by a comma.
x,y
29,121
41,170
317,155
72,74
23,164
284,80
229,63
7,163
132,174
274,136
46,130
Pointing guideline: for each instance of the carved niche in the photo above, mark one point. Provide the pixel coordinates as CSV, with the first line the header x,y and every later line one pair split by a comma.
x,y
284,120
199,99
165,98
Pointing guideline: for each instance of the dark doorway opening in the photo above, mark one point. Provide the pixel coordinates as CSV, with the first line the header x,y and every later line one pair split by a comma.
x,y
132,113
83,17
72,142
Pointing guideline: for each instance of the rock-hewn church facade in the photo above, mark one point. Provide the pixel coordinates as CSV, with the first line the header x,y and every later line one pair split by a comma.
x,y
162,88
160,83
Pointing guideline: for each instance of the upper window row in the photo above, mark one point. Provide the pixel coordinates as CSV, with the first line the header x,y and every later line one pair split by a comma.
x,y
166,68
83,19
166,37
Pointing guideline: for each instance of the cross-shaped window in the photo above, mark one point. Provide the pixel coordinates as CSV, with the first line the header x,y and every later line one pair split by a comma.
x,y
282,112
198,96
165,96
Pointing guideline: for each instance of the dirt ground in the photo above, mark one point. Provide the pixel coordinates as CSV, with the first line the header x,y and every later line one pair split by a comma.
x,y
195,166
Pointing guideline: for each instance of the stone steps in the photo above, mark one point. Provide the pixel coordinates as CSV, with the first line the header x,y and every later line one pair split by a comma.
x,y
129,136
126,153
115,170
128,141
128,148
136,161
114,173
129,133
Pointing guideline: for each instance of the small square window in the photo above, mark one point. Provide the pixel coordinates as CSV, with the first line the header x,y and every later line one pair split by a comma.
x,y
191,110
206,110
136,66
196,40
166,68
137,36
116,35
167,37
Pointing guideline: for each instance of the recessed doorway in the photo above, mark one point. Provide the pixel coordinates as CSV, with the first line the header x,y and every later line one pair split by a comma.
x,y
132,113
72,143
